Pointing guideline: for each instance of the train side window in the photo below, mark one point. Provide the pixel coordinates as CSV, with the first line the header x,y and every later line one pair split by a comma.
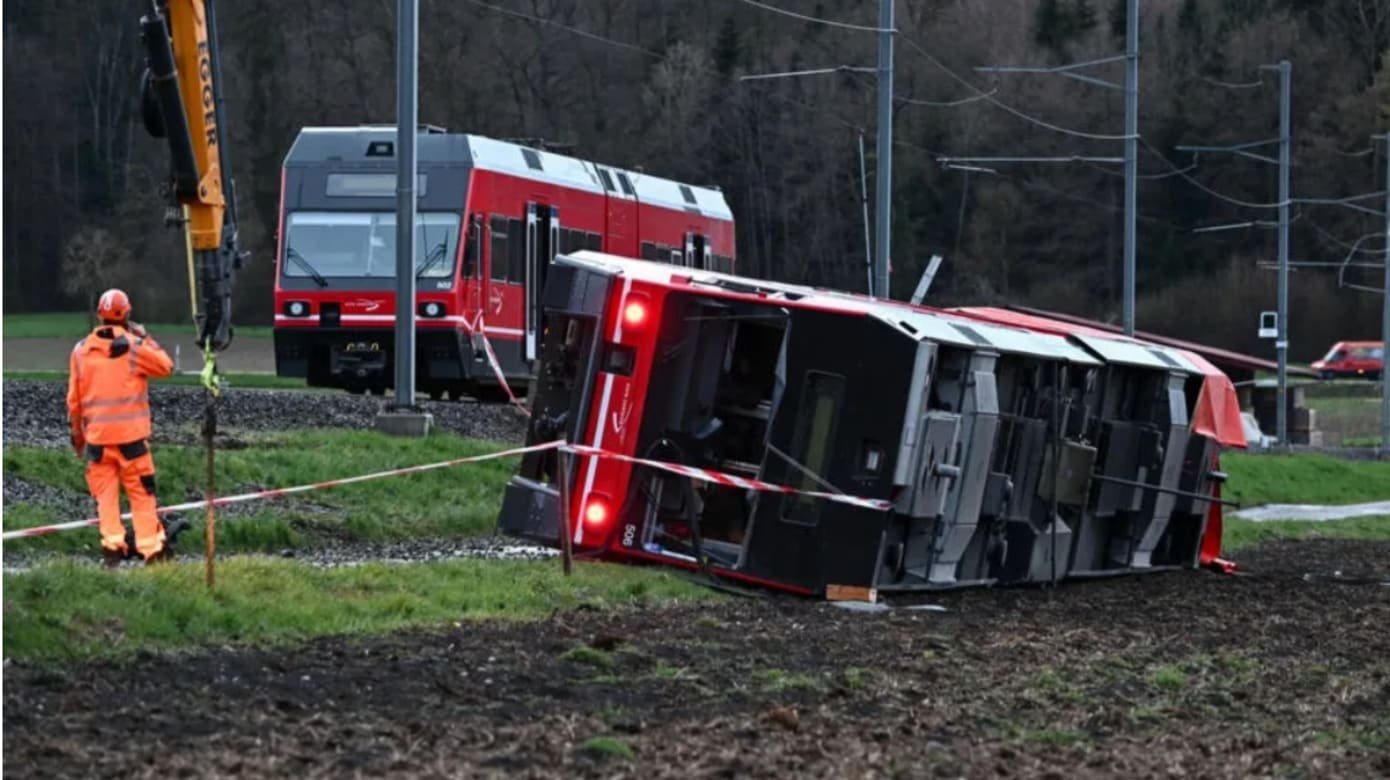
x,y
648,250
607,180
516,255
812,444
472,246
499,248
594,242
627,185
574,240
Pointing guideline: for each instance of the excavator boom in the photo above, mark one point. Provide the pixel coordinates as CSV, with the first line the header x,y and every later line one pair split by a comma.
x,y
182,102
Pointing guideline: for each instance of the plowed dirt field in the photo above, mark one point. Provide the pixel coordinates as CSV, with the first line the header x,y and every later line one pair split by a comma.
x,y
1190,673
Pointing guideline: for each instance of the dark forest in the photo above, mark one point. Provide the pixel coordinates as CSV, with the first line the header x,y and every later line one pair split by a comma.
x,y
656,84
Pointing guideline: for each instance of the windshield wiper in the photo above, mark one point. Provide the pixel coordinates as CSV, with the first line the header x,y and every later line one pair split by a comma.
x,y
436,254
293,254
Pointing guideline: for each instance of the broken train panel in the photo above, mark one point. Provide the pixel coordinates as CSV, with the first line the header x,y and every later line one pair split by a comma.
x,y
1009,455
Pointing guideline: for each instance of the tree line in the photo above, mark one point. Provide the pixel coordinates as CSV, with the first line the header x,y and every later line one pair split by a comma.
x,y
658,85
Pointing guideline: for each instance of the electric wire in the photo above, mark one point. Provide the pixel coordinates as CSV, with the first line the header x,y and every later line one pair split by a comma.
x,y
575,30
1145,176
1204,188
815,19
1329,236
1231,84
1005,106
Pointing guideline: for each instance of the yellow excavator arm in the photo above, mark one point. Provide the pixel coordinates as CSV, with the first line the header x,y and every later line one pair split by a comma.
x,y
181,100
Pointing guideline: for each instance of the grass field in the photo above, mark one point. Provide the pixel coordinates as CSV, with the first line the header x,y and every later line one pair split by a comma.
x,y
1238,534
74,324
461,500
235,379
62,611
1303,479
66,612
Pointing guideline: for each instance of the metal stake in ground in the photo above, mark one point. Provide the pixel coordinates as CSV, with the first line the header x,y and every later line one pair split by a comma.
x,y
563,474
209,432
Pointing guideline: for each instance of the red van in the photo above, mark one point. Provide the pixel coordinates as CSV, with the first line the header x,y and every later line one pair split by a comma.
x,y
1364,359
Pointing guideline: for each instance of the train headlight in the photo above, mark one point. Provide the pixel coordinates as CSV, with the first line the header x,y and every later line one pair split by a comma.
x,y
297,308
432,309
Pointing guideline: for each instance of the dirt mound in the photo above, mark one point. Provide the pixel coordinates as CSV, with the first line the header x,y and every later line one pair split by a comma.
x,y
1182,673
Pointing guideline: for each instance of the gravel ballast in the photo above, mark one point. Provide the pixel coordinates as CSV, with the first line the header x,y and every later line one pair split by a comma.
x,y
35,413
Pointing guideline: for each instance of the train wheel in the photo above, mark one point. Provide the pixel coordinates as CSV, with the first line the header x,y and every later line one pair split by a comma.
x,y
436,393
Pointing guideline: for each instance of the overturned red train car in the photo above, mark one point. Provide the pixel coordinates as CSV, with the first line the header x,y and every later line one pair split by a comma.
x,y
997,448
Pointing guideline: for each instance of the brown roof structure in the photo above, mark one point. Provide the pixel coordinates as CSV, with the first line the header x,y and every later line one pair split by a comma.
x,y
1236,365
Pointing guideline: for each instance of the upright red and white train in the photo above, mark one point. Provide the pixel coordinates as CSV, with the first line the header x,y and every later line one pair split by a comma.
x,y
491,216
961,447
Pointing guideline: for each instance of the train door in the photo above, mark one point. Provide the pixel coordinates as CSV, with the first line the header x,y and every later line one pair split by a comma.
x,y
542,244
697,252
474,275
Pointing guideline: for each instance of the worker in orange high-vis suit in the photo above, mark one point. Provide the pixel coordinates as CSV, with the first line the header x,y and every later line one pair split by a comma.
x,y
109,410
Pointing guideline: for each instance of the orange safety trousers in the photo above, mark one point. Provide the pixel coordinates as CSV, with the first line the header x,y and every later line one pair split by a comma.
x,y
130,465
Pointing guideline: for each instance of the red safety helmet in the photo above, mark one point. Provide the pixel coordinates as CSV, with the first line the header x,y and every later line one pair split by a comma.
x,y
113,306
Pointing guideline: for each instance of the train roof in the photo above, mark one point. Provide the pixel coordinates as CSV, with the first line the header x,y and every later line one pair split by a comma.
x,y
318,145
916,321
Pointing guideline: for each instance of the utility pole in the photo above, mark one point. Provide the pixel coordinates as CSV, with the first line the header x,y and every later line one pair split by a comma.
x,y
1281,343
1385,319
883,206
1281,340
1131,139
1131,158
403,418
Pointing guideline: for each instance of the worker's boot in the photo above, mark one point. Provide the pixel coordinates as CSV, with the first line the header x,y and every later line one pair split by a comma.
x,y
173,526
111,559
165,555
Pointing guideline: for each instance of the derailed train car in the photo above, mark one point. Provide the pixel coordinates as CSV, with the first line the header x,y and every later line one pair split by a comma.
x,y
1011,449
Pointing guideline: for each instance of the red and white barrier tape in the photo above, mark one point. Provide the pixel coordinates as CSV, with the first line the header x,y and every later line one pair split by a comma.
x,y
731,480
481,332
48,529
706,475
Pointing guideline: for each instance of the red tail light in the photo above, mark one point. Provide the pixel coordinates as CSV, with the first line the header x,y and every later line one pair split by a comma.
x,y
596,514
634,314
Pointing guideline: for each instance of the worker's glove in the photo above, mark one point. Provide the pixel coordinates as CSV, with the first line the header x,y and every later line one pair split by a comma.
x,y
78,444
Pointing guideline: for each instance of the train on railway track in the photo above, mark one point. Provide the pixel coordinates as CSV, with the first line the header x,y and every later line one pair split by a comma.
x,y
832,444
491,216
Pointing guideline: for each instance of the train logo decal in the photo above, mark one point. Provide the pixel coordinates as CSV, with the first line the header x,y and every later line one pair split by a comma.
x,y
624,413
365,304
494,297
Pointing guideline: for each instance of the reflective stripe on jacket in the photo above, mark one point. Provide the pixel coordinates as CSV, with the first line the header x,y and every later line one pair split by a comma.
x,y
108,385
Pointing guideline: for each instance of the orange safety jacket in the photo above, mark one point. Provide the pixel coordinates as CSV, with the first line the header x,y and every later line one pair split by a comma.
x,y
108,385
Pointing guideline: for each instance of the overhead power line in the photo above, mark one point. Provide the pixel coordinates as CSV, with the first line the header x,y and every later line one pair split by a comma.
x,y
1005,106
1231,84
1178,171
815,19
575,30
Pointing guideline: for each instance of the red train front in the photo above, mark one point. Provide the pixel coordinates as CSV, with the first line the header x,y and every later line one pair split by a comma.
x,y
491,217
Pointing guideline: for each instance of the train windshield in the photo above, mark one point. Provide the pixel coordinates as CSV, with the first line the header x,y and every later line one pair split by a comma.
x,y
363,244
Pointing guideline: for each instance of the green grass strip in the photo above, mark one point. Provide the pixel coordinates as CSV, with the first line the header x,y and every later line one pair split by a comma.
x,y
460,500
65,612
1237,534
1304,478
